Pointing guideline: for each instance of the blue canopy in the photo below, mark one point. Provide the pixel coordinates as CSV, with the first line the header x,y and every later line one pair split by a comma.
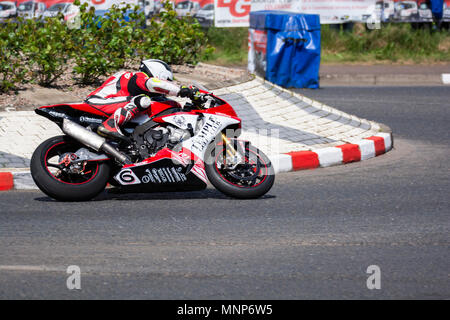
x,y
293,47
283,21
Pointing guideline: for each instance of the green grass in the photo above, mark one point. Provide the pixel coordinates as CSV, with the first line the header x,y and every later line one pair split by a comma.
x,y
397,43
231,45
393,43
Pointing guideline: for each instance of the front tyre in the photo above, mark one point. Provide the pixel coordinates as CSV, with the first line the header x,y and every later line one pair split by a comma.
x,y
55,173
253,178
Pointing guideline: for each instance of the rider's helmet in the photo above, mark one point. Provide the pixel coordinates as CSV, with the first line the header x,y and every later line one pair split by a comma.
x,y
155,68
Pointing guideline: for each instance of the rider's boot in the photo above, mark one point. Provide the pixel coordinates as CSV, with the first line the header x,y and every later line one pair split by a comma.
x,y
111,127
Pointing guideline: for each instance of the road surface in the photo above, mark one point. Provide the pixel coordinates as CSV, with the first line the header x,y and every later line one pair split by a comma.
x,y
313,236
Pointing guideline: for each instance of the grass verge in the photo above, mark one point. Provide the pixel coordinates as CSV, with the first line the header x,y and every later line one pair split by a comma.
x,y
393,43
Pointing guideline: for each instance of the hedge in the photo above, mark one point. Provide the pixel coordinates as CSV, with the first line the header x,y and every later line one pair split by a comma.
x,y
42,50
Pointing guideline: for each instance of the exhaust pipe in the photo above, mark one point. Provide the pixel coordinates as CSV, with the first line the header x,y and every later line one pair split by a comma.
x,y
92,140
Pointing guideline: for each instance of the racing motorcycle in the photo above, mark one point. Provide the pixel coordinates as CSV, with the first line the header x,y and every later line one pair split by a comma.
x,y
169,148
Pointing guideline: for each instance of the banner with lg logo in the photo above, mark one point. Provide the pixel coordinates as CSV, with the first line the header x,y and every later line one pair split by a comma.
x,y
232,13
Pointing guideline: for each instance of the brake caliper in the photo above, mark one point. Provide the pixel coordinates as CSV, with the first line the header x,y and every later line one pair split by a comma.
x,y
67,159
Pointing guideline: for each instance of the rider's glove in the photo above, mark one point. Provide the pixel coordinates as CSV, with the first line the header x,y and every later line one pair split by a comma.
x,y
192,93
185,92
197,96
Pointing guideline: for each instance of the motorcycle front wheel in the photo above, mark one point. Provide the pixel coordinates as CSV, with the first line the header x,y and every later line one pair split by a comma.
x,y
55,173
250,179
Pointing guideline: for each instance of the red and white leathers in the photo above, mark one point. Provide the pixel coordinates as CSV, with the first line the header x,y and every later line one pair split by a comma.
x,y
124,95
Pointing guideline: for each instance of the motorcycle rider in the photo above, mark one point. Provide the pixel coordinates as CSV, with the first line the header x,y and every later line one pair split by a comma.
x,y
125,94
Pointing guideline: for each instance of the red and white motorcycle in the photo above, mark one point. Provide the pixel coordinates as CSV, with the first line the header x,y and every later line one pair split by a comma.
x,y
173,149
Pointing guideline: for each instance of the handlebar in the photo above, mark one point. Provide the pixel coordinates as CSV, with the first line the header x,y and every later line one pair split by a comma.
x,y
205,100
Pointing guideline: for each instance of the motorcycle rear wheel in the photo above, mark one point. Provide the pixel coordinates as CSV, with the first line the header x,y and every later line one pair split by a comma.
x,y
249,180
47,171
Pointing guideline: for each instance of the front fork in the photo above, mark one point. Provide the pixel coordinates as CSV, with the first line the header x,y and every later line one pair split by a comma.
x,y
234,156
231,151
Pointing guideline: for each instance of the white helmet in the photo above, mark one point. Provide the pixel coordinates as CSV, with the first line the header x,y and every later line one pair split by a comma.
x,y
156,69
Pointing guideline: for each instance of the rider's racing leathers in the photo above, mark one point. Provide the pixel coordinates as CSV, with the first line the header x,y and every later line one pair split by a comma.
x,y
125,94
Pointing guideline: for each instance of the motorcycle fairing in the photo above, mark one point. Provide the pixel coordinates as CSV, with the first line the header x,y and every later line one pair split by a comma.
x,y
86,114
213,125
166,168
83,114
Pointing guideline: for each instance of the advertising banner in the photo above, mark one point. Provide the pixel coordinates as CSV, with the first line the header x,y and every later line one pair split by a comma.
x,y
235,13
446,13
106,4
257,46
330,11
403,11
48,3
98,4
230,13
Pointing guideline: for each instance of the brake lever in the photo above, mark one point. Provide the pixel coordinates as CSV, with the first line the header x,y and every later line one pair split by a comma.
x,y
209,101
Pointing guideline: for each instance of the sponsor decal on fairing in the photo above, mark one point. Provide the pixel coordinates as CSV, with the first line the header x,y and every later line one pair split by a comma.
x,y
58,114
182,121
208,132
89,120
127,177
164,175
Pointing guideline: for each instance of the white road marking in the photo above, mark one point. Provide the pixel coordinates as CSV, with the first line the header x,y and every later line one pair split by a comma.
x,y
446,78
31,268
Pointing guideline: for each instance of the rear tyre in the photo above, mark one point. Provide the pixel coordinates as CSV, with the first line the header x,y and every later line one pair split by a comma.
x,y
52,171
252,179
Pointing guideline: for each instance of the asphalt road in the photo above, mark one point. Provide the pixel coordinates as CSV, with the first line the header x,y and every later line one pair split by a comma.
x,y
312,237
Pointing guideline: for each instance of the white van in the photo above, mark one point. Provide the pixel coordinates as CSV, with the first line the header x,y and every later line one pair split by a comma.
x,y
446,15
425,14
205,16
388,10
148,6
186,8
69,10
31,9
406,10
7,10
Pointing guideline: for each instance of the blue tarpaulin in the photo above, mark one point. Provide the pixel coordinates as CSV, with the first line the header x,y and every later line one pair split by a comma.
x,y
437,7
293,47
